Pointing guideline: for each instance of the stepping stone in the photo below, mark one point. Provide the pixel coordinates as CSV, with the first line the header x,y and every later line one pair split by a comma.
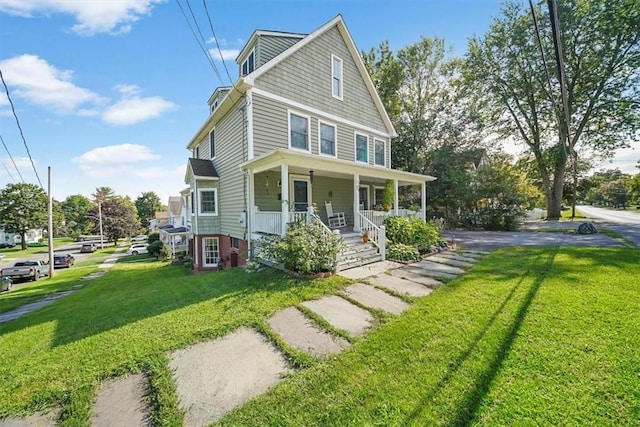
x,y
300,332
437,267
372,297
341,314
458,257
449,261
120,402
216,376
399,285
474,254
416,275
39,419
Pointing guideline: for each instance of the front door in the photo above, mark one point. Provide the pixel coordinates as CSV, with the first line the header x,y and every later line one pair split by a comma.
x,y
300,194
363,199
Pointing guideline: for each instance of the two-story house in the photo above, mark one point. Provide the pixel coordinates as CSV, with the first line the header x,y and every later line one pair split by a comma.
x,y
302,125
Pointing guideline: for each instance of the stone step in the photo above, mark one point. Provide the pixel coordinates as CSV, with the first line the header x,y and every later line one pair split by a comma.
x,y
430,266
402,286
216,376
120,402
359,252
449,261
357,262
300,332
458,257
375,298
341,314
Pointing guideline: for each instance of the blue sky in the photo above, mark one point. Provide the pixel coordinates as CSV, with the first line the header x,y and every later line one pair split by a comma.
x,y
109,93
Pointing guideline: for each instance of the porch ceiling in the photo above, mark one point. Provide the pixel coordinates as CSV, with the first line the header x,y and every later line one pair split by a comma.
x,y
302,163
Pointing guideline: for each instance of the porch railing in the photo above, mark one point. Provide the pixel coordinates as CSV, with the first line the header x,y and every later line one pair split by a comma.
x,y
378,217
377,234
271,222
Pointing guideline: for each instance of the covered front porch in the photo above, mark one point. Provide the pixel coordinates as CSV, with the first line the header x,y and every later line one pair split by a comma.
x,y
287,186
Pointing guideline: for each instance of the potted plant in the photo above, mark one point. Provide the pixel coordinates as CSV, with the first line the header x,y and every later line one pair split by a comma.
x,y
365,235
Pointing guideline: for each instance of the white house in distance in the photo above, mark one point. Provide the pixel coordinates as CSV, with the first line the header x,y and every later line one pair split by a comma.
x,y
302,126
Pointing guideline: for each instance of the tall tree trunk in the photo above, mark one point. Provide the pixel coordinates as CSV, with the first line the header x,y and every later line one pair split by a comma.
x,y
554,197
23,242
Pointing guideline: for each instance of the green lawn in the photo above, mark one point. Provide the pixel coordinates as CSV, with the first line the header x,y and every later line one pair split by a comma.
x,y
527,337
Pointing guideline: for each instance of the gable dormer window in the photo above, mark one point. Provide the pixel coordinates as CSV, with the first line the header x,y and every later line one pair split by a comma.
x,y
214,106
248,64
196,152
336,77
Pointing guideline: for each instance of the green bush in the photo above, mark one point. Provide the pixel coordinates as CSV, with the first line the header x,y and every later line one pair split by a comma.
x,y
412,231
159,250
305,249
401,252
153,237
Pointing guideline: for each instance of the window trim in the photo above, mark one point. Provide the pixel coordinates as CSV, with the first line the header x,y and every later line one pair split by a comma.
x,y
377,187
212,132
335,138
340,78
308,118
355,147
204,251
196,152
384,152
215,200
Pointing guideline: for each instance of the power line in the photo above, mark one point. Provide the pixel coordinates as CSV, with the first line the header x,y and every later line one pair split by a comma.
x,y
7,169
201,42
206,9
6,89
12,161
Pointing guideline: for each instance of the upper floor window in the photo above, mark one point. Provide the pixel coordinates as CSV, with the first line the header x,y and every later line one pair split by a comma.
x,y
362,148
298,131
208,202
379,152
327,139
336,77
248,64
196,152
214,106
212,144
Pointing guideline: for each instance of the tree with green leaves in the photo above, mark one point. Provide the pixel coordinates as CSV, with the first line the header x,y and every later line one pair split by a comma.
x,y
148,203
76,208
119,219
102,195
23,207
602,58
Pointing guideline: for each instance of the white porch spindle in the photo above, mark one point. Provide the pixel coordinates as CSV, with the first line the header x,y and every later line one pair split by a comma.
x,y
284,187
356,202
424,201
251,212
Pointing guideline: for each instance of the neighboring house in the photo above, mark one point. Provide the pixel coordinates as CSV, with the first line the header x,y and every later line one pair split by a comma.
x,y
301,126
176,233
160,219
31,236
6,237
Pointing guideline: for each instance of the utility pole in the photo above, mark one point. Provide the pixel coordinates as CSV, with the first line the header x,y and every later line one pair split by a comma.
x,y
100,223
50,224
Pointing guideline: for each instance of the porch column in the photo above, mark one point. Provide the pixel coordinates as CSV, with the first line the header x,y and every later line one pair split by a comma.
x,y
251,197
284,187
424,201
356,202
395,197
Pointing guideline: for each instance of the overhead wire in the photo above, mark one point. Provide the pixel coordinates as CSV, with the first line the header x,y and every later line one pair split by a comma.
x,y
12,161
215,39
6,89
201,42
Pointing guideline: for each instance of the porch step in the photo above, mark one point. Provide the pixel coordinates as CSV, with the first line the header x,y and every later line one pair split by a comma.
x,y
357,253
346,264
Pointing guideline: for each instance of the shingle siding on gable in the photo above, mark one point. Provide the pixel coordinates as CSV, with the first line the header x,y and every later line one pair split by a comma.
x,y
306,77
268,47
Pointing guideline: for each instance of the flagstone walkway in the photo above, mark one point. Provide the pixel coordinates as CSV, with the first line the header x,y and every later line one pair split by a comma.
x,y
217,376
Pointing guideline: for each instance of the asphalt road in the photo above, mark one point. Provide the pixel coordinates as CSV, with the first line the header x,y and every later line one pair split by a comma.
x,y
72,248
625,223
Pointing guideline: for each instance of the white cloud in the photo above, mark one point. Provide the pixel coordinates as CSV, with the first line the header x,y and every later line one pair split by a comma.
x,y
93,17
116,154
133,110
127,90
227,54
23,164
35,80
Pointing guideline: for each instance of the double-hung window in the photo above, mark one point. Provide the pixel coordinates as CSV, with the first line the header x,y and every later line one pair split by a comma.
x,y
362,148
211,251
298,132
379,152
212,144
327,136
208,202
336,77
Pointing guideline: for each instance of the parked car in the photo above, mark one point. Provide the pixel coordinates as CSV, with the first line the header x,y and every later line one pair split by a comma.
x,y
140,238
138,248
63,261
5,245
26,270
88,248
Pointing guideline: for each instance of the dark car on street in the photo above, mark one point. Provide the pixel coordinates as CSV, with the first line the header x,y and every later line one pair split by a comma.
x,y
4,245
63,261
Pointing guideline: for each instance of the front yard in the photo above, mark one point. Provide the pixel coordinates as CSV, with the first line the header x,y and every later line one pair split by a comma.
x,y
528,336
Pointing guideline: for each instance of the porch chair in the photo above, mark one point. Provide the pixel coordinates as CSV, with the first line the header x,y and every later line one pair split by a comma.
x,y
336,219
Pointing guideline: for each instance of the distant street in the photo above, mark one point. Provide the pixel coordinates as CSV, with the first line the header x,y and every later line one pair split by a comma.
x,y
625,223
623,217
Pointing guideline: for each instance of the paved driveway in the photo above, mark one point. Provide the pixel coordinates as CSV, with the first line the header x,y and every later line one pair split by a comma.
x,y
490,240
